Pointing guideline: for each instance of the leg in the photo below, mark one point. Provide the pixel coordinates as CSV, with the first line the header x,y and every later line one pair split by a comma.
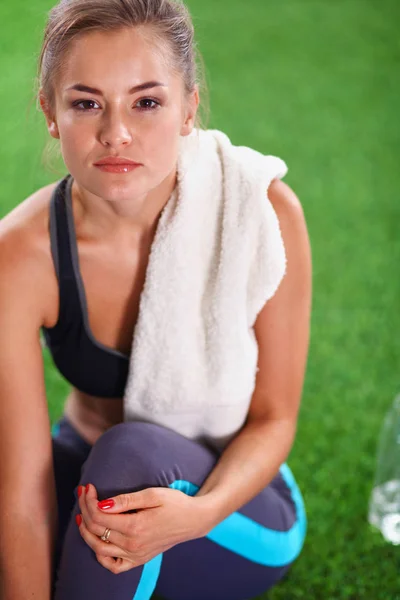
x,y
243,556
69,453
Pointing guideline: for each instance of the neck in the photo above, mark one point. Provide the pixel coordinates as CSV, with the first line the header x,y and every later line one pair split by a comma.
x,y
102,218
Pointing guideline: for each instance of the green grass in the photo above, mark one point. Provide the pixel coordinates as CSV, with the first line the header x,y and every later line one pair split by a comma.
x,y
315,82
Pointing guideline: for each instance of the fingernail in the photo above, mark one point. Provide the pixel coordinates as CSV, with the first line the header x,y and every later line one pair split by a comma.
x,y
78,519
106,504
87,488
80,489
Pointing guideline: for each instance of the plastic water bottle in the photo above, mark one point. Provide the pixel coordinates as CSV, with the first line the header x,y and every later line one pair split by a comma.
x,y
384,506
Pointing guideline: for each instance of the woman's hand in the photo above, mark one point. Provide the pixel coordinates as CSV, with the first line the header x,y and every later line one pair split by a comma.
x,y
165,517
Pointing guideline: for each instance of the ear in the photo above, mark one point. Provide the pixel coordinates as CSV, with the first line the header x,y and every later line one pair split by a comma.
x,y
191,111
50,119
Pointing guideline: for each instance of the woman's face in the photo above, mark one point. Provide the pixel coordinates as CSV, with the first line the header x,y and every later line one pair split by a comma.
x,y
143,126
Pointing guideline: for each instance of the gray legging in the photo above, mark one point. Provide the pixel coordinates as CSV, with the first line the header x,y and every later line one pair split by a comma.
x,y
243,556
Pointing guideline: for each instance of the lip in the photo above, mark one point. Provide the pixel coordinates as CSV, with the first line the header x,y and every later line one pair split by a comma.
x,y
118,168
115,160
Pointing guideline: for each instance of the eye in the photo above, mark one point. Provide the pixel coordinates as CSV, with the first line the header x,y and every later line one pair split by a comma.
x,y
76,104
149,108
80,105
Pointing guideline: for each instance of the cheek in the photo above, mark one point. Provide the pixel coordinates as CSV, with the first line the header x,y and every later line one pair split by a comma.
x,y
162,144
72,133
76,149
157,140
77,141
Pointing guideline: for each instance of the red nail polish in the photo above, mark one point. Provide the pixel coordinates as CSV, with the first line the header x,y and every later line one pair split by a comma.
x,y
87,488
106,504
78,519
80,488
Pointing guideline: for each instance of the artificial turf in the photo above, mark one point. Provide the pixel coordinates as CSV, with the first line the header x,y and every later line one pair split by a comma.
x,y
316,83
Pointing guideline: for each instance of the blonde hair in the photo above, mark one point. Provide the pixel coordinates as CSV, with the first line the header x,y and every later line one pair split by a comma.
x,y
170,23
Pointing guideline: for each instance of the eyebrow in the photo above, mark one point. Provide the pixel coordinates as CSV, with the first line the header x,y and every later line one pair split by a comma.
x,y
80,87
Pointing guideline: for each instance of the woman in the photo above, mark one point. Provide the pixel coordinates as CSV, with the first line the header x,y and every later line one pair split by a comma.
x,y
118,81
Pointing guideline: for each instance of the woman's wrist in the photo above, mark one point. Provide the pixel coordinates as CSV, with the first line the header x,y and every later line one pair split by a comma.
x,y
206,513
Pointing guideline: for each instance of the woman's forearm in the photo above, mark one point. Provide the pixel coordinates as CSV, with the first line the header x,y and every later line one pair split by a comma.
x,y
26,554
247,465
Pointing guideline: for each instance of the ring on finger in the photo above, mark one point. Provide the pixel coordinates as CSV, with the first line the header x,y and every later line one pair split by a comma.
x,y
106,535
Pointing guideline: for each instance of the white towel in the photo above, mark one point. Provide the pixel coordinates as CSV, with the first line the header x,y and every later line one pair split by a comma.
x,y
216,258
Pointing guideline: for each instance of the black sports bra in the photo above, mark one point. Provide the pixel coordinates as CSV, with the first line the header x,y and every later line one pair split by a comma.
x,y
87,364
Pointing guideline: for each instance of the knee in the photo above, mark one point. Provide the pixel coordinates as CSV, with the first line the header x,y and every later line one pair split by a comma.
x,y
125,458
135,440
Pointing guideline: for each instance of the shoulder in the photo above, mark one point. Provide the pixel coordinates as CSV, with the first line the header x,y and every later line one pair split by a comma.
x,y
28,213
25,257
284,200
24,230
290,213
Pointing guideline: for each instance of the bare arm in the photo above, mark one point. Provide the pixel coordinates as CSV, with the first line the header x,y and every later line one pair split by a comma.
x,y
28,514
254,456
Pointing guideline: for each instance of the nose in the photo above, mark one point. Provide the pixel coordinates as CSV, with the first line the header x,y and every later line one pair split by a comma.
x,y
114,130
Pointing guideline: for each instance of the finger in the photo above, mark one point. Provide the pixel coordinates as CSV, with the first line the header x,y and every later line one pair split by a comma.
x,y
86,512
116,566
147,498
115,537
99,546
96,521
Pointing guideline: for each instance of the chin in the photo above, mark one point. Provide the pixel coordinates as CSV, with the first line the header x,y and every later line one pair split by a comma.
x,y
119,186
